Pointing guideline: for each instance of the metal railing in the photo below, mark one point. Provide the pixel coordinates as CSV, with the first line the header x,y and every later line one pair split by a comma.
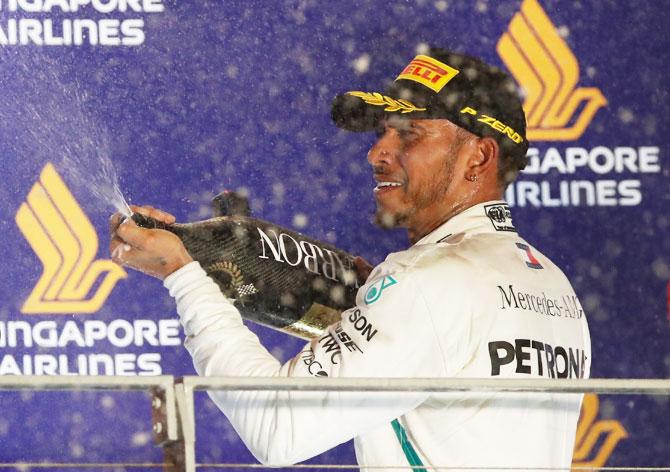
x,y
173,410
164,408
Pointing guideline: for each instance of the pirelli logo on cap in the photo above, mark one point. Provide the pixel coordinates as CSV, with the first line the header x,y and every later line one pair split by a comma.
x,y
429,72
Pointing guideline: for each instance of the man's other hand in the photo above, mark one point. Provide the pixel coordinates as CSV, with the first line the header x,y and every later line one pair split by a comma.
x,y
153,251
363,269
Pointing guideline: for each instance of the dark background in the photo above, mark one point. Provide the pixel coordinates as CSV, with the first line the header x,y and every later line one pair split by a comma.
x,y
236,95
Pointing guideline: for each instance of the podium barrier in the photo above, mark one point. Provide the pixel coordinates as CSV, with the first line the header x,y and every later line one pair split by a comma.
x,y
173,412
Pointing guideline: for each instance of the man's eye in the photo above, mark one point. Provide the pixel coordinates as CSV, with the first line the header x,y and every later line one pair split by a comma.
x,y
406,133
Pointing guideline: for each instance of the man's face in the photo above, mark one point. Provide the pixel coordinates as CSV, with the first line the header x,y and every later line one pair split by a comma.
x,y
414,163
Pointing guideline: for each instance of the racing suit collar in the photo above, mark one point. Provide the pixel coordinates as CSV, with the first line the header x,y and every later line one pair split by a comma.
x,y
488,217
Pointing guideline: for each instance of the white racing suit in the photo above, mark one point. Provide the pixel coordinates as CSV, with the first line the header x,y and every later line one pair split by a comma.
x,y
470,299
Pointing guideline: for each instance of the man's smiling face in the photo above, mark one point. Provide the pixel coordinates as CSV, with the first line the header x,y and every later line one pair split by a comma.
x,y
414,164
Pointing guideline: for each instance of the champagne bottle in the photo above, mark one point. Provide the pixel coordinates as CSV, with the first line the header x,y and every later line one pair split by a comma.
x,y
275,276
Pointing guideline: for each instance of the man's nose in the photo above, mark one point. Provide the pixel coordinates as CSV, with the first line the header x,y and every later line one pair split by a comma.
x,y
383,151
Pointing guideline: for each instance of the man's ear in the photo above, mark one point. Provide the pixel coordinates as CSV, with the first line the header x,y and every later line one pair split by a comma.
x,y
486,156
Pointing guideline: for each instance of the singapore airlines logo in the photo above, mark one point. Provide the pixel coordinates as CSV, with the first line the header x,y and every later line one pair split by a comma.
x,y
546,68
66,243
595,440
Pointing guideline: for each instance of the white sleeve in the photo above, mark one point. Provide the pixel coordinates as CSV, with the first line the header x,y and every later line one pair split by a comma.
x,y
388,334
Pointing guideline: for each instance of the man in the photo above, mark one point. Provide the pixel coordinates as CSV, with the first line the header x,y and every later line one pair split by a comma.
x,y
470,298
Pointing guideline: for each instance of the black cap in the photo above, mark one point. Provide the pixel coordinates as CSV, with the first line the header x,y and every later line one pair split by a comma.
x,y
444,85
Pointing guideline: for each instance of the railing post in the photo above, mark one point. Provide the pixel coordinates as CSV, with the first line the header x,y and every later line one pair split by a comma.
x,y
179,451
165,427
164,414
